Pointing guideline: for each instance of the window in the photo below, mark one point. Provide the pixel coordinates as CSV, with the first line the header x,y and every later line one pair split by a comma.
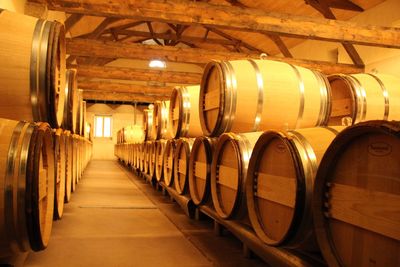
x,y
102,126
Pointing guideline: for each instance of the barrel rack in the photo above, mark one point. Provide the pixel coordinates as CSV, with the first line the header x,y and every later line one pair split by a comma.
x,y
251,243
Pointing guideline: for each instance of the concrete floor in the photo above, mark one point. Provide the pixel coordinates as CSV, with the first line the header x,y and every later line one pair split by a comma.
x,y
116,219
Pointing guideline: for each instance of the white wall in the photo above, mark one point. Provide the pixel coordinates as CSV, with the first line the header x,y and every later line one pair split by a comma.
x,y
382,60
122,115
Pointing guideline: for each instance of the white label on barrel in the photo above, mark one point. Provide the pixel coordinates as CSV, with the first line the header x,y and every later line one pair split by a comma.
x,y
280,148
379,149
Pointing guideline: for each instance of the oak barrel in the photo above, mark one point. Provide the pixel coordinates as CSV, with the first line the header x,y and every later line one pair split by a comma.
x,y
363,97
161,121
26,187
152,159
70,106
160,149
147,151
68,165
79,113
184,112
32,69
148,123
356,199
60,171
249,95
169,153
133,134
141,156
181,166
228,173
200,169
279,185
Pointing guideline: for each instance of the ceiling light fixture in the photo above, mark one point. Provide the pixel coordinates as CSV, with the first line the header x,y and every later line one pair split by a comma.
x,y
156,63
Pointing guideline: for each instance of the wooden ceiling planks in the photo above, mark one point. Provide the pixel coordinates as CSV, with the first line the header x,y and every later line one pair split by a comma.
x,y
196,36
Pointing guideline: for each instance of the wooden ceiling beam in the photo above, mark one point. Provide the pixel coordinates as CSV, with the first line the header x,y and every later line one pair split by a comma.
x,y
105,86
238,42
149,75
174,37
274,37
72,20
344,4
237,18
324,8
112,96
280,44
95,48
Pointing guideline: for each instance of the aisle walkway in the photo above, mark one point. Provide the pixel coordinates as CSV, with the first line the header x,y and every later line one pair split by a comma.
x,y
110,222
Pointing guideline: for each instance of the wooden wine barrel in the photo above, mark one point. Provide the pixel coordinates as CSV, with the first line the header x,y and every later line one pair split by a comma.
x,y
80,151
133,134
228,173
75,161
137,157
365,96
146,155
168,167
26,187
120,136
152,159
181,166
160,149
32,71
83,130
43,196
134,153
131,147
142,156
148,123
279,185
184,112
356,199
68,165
250,95
70,108
161,121
200,169
79,113
60,171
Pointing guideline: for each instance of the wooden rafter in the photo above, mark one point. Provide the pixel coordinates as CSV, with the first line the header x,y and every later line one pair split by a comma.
x,y
105,86
324,7
152,33
72,20
237,42
172,37
280,44
104,72
95,48
95,34
274,37
113,96
231,17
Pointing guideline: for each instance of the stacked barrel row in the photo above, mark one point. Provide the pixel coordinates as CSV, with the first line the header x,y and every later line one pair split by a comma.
x,y
42,153
265,144
41,168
